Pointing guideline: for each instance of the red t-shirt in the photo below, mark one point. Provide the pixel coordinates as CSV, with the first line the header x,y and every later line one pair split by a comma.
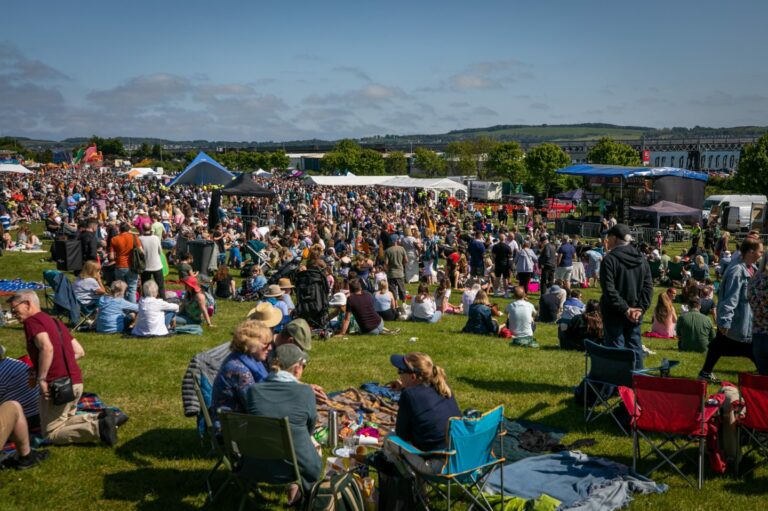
x,y
42,322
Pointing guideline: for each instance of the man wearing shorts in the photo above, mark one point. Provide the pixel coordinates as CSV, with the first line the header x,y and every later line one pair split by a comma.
x,y
565,255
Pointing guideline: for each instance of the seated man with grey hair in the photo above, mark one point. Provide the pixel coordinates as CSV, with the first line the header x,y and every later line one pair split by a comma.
x,y
155,315
116,314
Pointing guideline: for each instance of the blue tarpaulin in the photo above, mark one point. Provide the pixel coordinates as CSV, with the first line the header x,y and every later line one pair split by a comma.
x,y
627,172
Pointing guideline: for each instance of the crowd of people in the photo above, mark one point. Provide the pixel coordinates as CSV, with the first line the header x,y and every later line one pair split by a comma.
x,y
365,246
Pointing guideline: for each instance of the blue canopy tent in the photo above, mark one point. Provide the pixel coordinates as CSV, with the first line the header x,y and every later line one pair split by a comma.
x,y
203,170
642,186
586,169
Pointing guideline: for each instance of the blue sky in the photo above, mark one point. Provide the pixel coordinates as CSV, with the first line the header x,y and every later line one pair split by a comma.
x,y
258,71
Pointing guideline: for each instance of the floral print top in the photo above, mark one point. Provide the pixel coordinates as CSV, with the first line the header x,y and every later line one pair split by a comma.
x,y
757,294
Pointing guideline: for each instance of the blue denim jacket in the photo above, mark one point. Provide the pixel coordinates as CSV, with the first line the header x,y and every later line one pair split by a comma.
x,y
733,310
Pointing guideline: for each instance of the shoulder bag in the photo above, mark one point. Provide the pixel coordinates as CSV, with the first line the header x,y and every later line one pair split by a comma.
x,y
138,259
61,388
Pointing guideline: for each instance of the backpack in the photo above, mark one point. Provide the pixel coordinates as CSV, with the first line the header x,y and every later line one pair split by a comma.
x,y
339,493
138,259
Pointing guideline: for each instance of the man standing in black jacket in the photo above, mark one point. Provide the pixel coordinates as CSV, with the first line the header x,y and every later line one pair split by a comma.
x,y
547,262
627,286
88,240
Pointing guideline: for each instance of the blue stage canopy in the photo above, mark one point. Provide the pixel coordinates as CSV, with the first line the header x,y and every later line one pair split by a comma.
x,y
627,172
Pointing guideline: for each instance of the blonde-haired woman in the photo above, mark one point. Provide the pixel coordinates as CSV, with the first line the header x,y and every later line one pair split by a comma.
x,y
88,287
384,302
243,367
426,403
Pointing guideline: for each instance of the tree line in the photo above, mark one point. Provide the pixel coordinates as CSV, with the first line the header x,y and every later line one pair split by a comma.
x,y
482,157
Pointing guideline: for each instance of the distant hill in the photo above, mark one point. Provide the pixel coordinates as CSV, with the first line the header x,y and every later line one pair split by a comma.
x,y
527,134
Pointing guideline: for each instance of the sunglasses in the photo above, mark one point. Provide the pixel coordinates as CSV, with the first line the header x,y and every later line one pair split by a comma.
x,y
16,306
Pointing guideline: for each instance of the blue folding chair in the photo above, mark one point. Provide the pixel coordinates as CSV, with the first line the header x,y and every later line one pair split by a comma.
x,y
468,460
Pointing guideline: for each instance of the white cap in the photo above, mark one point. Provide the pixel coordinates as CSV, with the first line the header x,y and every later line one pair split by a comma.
x,y
338,300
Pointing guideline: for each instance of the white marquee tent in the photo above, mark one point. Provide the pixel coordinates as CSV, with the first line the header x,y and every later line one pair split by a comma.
x,y
14,168
438,184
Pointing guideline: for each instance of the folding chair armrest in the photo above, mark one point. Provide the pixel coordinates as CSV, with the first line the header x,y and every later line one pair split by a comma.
x,y
413,450
480,467
648,370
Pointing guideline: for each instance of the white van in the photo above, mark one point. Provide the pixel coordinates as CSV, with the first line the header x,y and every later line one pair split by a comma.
x,y
484,190
744,217
716,204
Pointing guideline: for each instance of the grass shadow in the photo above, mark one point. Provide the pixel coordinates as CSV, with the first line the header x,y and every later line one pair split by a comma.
x,y
163,443
750,485
156,489
515,387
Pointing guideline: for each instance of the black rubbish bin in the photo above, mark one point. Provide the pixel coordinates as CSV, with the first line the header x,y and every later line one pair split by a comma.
x,y
181,246
202,252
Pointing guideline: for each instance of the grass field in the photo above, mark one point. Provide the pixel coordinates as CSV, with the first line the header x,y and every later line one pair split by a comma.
x,y
159,462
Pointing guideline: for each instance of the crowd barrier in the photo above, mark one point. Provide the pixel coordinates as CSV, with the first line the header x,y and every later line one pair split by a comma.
x,y
640,234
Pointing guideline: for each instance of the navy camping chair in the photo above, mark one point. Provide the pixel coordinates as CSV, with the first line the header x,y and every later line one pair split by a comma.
x,y
605,369
467,461
62,302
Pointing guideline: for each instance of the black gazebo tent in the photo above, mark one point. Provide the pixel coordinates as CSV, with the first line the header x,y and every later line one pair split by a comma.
x,y
241,186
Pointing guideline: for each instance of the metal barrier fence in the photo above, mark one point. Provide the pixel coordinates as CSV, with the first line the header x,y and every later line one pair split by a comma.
x,y
640,234
575,227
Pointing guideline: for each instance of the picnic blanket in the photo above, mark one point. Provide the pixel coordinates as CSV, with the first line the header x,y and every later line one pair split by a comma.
x,y
356,405
580,482
8,286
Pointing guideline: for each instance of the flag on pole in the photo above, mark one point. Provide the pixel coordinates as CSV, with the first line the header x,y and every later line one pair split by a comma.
x,y
78,156
90,153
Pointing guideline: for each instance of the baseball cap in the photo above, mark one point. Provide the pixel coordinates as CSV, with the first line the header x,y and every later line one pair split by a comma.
x,y
301,333
621,231
399,362
289,355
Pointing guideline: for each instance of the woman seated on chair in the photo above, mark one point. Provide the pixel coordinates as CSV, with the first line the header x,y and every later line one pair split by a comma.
x,y
282,394
242,368
115,312
155,315
426,403
88,287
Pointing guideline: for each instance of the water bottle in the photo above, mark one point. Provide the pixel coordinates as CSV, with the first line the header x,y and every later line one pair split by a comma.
x,y
664,367
333,429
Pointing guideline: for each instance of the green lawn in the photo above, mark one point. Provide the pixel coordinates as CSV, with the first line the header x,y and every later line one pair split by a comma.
x,y
159,463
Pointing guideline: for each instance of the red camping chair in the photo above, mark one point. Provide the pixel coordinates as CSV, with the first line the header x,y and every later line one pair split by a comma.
x,y
673,409
753,416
